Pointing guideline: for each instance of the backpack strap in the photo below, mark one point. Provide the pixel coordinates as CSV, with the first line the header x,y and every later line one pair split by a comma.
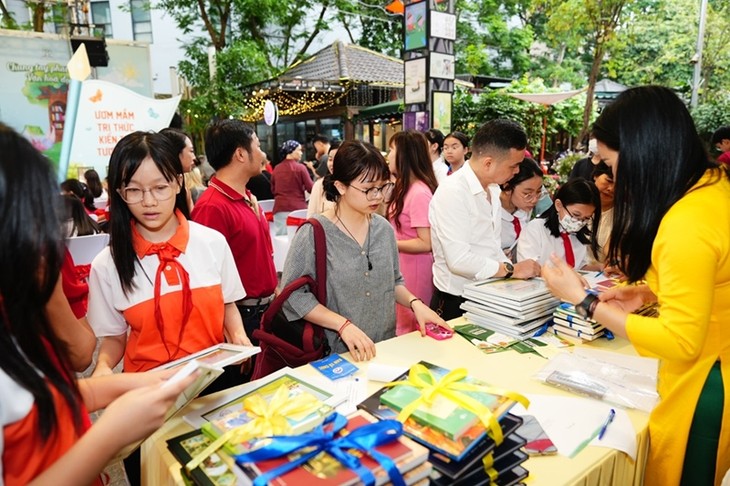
x,y
320,255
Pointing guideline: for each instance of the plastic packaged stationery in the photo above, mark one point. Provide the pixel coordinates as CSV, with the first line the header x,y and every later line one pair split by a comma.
x,y
628,381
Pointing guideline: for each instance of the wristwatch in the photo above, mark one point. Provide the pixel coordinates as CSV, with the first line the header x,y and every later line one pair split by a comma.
x,y
509,268
587,306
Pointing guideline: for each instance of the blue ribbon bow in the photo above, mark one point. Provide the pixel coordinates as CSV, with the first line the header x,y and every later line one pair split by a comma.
x,y
363,439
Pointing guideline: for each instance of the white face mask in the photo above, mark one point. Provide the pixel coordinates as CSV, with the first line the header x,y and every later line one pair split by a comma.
x,y
571,224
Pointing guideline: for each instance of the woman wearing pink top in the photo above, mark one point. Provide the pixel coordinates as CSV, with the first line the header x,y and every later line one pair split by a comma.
x,y
415,183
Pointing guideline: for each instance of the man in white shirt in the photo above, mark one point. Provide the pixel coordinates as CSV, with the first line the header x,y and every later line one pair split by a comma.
x,y
465,218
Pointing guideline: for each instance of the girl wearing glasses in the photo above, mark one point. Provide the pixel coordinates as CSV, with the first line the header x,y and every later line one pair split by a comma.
x,y
172,282
415,183
518,197
456,146
47,437
364,281
566,228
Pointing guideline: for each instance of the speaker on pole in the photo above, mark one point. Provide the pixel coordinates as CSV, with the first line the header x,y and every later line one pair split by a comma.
x,y
95,48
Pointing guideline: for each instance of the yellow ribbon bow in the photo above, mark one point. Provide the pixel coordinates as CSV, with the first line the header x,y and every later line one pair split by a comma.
x,y
269,418
451,386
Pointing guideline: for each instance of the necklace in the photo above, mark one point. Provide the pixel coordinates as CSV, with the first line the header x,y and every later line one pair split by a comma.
x,y
367,252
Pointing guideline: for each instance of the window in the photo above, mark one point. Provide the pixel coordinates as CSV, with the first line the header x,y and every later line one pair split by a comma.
x,y
57,16
102,19
141,21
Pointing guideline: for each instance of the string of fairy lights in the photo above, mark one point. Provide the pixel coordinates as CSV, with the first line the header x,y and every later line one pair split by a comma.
x,y
294,102
304,98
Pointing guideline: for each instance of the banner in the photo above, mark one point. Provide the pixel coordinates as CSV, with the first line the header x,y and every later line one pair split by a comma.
x,y
106,113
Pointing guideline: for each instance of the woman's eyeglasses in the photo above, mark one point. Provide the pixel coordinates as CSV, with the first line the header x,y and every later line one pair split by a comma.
x,y
135,195
373,193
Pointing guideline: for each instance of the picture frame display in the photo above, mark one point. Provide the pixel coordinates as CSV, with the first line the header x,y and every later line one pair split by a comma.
x,y
415,26
441,102
416,82
443,25
442,66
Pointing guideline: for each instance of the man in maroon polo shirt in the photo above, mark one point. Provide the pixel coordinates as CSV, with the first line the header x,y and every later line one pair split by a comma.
x,y
234,152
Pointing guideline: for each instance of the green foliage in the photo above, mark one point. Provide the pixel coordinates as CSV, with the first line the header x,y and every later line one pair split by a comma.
x,y
566,116
712,115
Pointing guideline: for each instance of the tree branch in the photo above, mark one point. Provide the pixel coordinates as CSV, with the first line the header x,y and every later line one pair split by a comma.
x,y
313,34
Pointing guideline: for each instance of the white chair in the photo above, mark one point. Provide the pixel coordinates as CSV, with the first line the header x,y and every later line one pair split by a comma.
x,y
281,248
83,249
267,205
294,218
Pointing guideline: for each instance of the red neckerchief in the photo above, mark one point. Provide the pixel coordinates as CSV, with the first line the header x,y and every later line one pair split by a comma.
x,y
517,225
569,257
167,254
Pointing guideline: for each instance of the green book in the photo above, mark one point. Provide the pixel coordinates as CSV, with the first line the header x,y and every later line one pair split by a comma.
x,y
443,414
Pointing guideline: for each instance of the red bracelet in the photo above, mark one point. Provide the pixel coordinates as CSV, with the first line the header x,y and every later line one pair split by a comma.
x,y
343,326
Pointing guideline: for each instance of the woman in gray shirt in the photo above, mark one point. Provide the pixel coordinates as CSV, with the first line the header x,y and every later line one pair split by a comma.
x,y
363,278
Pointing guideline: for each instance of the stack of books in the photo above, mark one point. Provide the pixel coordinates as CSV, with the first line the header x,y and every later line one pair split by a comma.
x,y
568,324
513,307
410,458
459,444
221,419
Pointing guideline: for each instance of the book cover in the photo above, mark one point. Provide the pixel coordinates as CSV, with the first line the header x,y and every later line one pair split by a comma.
x,y
326,470
334,366
443,414
433,439
229,411
510,288
218,470
455,469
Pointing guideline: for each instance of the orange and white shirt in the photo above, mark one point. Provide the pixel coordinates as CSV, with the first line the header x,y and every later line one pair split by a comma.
x,y
213,280
24,454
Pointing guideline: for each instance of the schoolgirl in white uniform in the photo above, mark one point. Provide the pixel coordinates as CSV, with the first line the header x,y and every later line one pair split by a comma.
x,y
518,197
563,229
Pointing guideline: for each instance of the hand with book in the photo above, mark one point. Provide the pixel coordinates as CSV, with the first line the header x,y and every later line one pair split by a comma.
x,y
563,281
139,412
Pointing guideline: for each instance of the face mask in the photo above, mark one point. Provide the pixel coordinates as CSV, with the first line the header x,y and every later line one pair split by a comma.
x,y
571,224
593,145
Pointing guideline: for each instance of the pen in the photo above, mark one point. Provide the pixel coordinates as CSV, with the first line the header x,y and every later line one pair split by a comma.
x,y
605,425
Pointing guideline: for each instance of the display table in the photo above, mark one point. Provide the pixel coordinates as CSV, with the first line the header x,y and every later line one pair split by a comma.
x,y
509,369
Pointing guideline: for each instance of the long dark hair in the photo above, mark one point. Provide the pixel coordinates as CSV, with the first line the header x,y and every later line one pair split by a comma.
x,y
93,182
414,164
126,158
82,224
660,158
31,254
177,138
576,191
355,160
81,191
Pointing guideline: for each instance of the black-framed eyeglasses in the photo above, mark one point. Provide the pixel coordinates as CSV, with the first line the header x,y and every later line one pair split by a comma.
x,y
135,195
373,193
576,217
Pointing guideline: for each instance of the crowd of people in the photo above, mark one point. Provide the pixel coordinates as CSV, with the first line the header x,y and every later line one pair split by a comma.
x,y
189,265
